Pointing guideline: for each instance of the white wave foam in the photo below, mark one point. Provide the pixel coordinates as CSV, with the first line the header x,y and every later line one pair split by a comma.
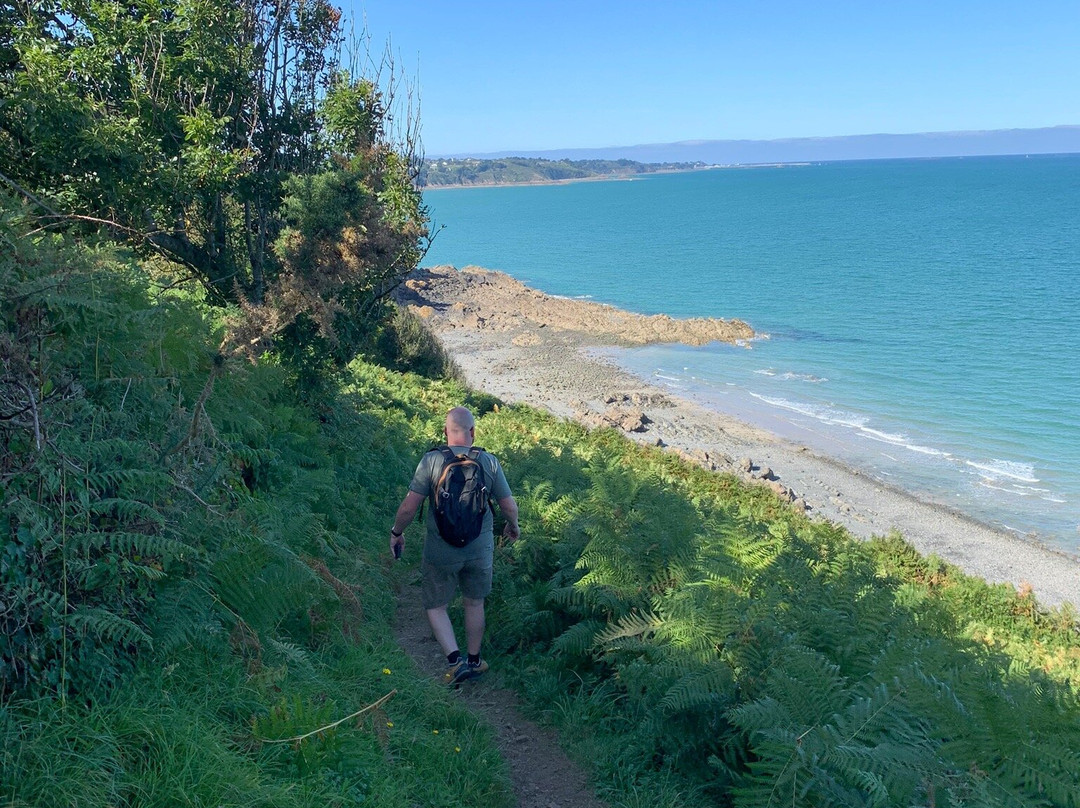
x,y
851,421
794,406
803,377
1024,472
1005,488
926,450
790,376
668,378
885,437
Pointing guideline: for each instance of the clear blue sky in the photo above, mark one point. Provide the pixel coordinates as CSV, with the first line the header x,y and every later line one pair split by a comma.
x,y
496,76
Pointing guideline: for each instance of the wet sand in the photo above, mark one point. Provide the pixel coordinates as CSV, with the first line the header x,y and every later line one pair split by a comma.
x,y
526,347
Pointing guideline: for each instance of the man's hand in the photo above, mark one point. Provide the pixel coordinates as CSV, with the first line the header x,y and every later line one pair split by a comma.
x,y
405,513
511,532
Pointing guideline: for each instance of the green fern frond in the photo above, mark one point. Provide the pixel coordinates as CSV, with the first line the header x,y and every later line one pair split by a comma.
x,y
579,638
566,597
293,655
761,715
635,624
131,543
708,688
129,510
808,684
184,615
108,626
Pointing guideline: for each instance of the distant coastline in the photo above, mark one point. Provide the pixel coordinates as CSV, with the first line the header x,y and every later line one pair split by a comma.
x,y
472,172
563,166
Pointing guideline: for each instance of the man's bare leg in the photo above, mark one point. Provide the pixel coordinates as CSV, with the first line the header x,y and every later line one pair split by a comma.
x,y
474,624
443,629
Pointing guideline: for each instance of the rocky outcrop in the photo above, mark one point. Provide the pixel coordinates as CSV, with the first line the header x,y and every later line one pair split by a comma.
x,y
480,299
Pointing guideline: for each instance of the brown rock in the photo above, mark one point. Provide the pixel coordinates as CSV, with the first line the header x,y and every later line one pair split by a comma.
x,y
781,490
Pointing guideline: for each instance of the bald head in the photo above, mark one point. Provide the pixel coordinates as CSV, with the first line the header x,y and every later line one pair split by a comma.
x,y
459,427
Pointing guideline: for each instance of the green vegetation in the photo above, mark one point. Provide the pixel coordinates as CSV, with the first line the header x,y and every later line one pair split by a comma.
x,y
227,138
705,645
207,411
470,171
188,572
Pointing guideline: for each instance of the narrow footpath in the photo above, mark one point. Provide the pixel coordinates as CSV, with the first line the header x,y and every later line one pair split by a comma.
x,y
543,776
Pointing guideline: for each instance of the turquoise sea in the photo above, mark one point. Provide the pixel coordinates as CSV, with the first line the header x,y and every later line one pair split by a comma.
x,y
923,316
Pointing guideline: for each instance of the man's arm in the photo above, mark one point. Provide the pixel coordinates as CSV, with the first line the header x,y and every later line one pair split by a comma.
x,y
406,512
509,508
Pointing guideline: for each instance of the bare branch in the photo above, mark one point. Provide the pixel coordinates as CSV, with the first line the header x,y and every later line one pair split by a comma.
x,y
34,410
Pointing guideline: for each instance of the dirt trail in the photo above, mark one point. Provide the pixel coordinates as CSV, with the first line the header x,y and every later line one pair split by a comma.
x,y
543,776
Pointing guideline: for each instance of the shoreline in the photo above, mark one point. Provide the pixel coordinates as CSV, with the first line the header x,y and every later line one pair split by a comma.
x,y
526,347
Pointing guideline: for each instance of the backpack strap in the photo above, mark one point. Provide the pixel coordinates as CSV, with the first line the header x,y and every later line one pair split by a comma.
x,y
473,453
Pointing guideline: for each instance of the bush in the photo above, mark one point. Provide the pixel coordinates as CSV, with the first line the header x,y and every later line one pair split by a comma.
x,y
407,344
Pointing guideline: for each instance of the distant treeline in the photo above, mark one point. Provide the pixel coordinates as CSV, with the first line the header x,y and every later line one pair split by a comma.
x,y
469,171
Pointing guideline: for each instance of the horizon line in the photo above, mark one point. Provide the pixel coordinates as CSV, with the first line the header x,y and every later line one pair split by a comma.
x,y
706,142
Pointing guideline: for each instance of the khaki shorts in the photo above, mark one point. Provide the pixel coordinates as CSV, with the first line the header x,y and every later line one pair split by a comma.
x,y
440,582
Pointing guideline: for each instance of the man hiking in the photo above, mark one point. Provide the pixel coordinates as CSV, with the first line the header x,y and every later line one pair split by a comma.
x,y
459,543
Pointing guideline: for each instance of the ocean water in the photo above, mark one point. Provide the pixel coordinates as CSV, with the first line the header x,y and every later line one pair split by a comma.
x,y
922,316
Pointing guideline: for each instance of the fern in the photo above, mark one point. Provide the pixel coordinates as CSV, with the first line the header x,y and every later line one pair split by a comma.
x,y
700,690
579,638
128,543
108,626
631,625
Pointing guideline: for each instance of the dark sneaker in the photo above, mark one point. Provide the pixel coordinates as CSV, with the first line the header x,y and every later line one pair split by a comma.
x,y
457,672
464,670
476,670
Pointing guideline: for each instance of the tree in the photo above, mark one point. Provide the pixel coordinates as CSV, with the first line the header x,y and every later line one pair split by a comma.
x,y
201,130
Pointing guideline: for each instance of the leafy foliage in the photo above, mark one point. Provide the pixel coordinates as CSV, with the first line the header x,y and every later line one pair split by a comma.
x,y
229,139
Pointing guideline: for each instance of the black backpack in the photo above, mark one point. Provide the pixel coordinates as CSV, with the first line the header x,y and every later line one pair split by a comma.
x,y
460,496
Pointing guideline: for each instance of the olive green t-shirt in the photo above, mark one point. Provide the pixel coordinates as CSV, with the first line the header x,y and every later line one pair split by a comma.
x,y
437,551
